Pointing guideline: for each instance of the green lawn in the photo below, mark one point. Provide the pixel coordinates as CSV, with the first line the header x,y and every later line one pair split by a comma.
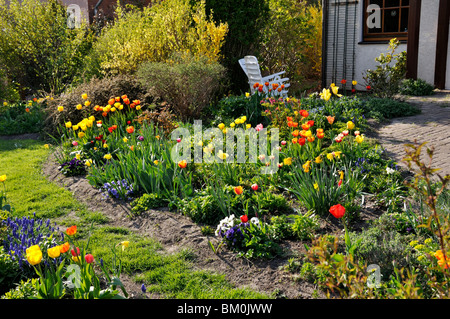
x,y
145,260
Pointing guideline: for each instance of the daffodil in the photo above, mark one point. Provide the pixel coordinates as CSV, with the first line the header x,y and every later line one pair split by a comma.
x,y
88,163
125,139
124,244
222,155
318,160
107,156
287,161
335,90
316,186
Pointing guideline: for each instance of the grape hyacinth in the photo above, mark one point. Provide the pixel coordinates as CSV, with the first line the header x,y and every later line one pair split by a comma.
x,y
25,232
118,189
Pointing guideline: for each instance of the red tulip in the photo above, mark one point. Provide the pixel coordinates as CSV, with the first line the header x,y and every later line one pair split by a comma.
x,y
244,218
89,258
301,141
75,253
255,187
337,211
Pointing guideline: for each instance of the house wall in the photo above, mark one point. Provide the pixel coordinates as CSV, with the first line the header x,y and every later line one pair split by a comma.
x,y
427,40
360,56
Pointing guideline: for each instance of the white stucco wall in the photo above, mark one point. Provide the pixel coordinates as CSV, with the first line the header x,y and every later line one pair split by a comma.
x,y
367,52
427,40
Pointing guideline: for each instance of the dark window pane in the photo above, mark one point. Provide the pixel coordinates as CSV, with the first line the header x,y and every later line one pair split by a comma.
x,y
377,2
391,18
405,2
391,3
404,21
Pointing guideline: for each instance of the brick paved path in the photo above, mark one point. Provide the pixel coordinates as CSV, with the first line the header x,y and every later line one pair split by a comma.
x,y
432,126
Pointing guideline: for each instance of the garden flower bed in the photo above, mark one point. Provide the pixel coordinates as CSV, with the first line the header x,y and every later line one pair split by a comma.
x,y
271,214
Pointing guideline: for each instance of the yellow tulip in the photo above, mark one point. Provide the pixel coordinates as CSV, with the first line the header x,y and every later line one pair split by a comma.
x,y
81,134
350,125
248,126
87,103
79,107
335,90
2,178
54,252
75,127
325,95
60,108
221,126
354,82
232,125
341,175
84,96
359,139
138,107
247,94
78,156
156,162
34,255
68,124
107,156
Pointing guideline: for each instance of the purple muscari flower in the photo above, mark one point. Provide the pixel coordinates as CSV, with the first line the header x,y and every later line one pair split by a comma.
x,y
143,288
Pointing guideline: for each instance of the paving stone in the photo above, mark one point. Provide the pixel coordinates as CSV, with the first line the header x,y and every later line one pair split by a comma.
x,y
432,126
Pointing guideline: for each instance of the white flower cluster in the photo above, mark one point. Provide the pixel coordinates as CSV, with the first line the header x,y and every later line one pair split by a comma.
x,y
228,222
390,170
225,224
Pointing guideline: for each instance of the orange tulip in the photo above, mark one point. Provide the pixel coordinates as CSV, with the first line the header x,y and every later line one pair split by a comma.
x,y
71,230
238,190
130,129
111,101
295,133
182,164
330,119
64,248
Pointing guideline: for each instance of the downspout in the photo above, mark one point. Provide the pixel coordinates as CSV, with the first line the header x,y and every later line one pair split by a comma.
x,y
96,7
324,41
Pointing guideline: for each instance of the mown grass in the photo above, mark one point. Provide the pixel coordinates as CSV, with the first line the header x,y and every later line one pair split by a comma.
x,y
170,275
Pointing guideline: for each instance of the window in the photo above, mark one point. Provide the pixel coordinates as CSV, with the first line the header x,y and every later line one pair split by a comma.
x,y
385,19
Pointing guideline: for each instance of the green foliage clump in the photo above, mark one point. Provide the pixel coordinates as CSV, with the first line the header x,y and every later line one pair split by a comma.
x,y
188,83
21,118
146,202
37,49
245,20
386,108
417,87
292,40
24,290
385,80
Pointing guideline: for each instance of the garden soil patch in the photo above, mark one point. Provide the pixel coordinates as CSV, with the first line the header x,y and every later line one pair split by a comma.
x,y
176,232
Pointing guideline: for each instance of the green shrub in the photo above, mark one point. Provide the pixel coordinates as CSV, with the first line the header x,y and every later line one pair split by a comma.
x,y
385,108
155,33
416,87
292,40
385,80
305,226
21,118
245,20
146,202
232,107
187,83
9,271
37,48
386,249
24,290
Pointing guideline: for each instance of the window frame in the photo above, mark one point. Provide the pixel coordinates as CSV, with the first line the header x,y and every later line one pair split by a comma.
x,y
384,36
